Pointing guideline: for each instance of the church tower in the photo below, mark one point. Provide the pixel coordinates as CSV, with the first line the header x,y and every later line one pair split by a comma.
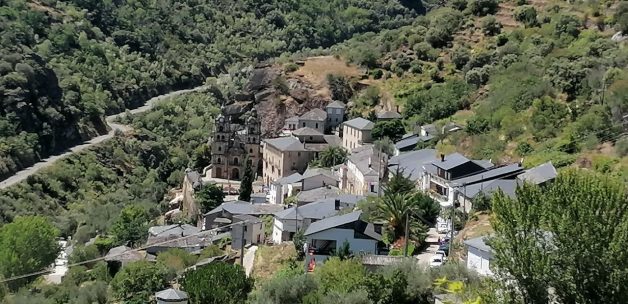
x,y
252,140
219,144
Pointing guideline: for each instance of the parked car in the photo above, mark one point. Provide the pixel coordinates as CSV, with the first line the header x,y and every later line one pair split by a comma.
x,y
443,227
443,253
437,260
444,247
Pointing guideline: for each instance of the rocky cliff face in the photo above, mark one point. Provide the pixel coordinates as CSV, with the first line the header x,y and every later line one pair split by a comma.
x,y
276,96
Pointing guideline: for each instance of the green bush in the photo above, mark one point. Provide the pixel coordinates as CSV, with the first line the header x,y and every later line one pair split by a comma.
x,y
526,14
621,147
217,283
290,67
483,7
490,26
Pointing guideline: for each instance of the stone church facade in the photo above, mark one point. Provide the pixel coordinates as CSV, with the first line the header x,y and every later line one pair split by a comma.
x,y
233,143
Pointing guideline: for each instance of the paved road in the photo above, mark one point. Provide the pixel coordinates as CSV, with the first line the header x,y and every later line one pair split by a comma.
x,y
47,162
249,259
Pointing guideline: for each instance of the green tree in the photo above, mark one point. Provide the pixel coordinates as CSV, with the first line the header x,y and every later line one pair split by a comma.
x,y
131,226
526,14
138,281
483,7
209,197
27,245
176,260
341,275
534,241
217,283
331,156
286,289
621,17
340,87
399,183
420,209
246,186
460,56
490,26
392,129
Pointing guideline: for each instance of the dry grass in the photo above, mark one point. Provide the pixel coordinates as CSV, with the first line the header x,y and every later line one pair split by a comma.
x,y
269,259
315,70
473,229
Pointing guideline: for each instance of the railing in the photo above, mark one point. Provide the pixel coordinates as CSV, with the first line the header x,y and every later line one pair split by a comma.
x,y
438,196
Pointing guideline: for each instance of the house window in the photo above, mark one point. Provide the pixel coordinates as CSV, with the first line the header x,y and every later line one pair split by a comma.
x,y
336,119
219,160
235,161
311,138
372,188
219,148
250,150
245,228
303,124
316,125
223,137
298,153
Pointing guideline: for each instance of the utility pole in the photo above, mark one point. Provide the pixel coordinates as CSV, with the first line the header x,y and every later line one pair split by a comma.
x,y
242,248
405,251
451,239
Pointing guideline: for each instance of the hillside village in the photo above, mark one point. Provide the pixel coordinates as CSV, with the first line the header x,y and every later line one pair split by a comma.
x,y
465,152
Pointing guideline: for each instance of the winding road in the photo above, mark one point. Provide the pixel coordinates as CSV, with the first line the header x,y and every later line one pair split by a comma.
x,y
47,162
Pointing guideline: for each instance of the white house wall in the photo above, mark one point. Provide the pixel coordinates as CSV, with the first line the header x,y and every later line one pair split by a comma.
x,y
357,246
479,261
282,229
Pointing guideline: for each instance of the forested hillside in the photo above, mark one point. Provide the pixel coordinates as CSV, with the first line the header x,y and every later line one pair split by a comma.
x,y
539,81
65,64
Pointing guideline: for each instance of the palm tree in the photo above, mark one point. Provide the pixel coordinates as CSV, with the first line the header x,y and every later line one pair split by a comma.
x,y
420,209
332,156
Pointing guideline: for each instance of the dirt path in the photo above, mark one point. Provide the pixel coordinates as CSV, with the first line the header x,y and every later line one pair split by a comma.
x,y
47,162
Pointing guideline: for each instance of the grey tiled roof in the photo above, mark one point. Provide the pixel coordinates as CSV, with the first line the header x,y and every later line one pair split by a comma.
x,y
339,220
175,229
388,115
246,218
411,141
287,143
306,131
336,104
290,179
508,186
293,119
123,254
171,294
317,193
314,114
333,140
240,207
332,222
497,172
411,163
360,123
319,209
310,172
361,157
430,128
451,161
479,243
539,174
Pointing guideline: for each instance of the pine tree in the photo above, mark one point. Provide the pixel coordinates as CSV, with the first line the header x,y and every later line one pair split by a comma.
x,y
246,186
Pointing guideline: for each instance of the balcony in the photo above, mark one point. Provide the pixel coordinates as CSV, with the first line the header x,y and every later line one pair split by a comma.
x,y
441,198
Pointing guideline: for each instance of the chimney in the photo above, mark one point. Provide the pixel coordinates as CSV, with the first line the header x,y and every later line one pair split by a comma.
x,y
337,204
521,162
442,157
370,162
397,108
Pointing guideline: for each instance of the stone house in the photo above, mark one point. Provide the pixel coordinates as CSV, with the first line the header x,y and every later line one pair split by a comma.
x,y
315,119
356,132
335,114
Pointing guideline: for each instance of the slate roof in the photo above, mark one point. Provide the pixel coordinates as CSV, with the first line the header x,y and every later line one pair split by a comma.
x,y
361,157
171,295
339,220
333,140
319,209
193,176
336,104
287,143
508,186
240,207
411,141
294,119
314,114
451,161
317,193
479,243
451,127
497,172
306,131
539,174
290,179
175,229
411,163
310,172
123,254
388,115
360,123
246,218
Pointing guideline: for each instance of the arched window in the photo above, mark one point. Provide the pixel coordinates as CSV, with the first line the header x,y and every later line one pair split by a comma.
x,y
235,161
316,125
219,160
219,148
220,128
223,137
250,150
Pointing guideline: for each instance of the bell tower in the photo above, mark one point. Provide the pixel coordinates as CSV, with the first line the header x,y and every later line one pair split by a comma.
x,y
252,140
219,145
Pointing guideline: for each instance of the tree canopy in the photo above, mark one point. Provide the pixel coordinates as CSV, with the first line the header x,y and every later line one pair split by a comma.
x,y
217,283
